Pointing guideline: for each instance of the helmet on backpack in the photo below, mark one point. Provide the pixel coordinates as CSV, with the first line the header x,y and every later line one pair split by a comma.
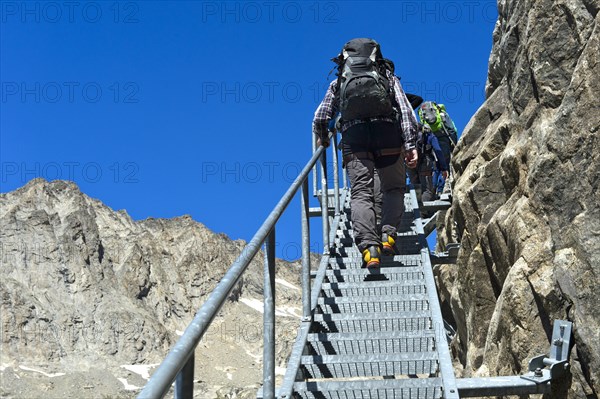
x,y
360,47
429,114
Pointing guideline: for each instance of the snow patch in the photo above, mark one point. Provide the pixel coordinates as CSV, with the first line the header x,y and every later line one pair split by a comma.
x,y
142,369
253,303
128,386
285,311
280,370
286,284
291,311
49,375
257,358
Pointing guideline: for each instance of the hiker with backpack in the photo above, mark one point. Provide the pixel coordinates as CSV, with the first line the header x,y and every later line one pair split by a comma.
x,y
435,117
378,129
431,158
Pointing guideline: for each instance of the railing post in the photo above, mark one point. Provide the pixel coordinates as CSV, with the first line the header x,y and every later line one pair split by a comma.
x,y
269,318
336,177
184,383
314,171
305,253
324,202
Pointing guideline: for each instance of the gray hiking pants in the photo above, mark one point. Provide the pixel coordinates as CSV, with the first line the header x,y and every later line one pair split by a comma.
x,y
362,162
421,178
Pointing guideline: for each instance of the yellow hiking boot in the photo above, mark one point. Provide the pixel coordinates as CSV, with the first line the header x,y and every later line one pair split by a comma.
x,y
388,242
371,256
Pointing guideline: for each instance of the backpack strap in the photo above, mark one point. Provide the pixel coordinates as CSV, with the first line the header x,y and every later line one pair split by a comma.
x,y
452,143
389,64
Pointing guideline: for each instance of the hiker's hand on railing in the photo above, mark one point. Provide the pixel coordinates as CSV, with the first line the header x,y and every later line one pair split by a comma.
x,y
411,158
445,174
323,141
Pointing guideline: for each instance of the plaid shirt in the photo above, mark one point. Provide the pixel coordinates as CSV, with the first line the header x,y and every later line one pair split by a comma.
x,y
327,109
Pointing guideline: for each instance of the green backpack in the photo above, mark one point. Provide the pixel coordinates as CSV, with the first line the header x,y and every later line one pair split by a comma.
x,y
435,116
448,123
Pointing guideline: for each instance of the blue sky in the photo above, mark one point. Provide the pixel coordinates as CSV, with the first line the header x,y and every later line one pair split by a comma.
x,y
205,108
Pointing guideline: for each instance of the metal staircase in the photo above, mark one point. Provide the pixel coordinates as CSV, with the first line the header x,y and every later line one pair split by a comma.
x,y
363,333
374,333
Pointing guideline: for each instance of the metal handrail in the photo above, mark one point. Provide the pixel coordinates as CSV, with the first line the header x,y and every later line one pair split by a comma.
x,y
446,368
179,362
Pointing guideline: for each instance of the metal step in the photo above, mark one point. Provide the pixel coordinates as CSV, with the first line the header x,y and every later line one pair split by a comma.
x,y
371,322
437,205
402,241
359,343
352,305
372,275
371,365
429,388
379,288
353,260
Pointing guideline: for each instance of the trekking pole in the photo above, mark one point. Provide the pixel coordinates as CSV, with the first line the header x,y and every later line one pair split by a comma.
x,y
435,158
449,137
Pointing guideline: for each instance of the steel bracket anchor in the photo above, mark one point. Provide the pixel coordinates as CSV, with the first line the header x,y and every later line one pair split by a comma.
x,y
548,368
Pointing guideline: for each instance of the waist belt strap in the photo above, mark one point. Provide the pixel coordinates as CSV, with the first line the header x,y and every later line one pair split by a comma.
x,y
388,151
372,155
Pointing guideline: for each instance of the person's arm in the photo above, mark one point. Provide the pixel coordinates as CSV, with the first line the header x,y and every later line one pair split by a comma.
x,y
323,115
408,124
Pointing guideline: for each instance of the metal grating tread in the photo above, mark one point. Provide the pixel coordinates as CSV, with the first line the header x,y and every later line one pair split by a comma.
x,y
405,238
329,306
378,288
371,322
372,307
372,365
372,275
390,342
353,260
418,388
375,335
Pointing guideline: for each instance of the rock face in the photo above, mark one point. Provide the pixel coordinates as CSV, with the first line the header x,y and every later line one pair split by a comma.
x,y
83,287
526,202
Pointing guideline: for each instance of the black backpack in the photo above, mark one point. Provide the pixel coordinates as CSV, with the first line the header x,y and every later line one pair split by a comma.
x,y
363,88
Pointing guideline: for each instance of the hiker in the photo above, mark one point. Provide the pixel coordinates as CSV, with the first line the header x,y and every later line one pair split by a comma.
x,y
431,158
378,134
435,117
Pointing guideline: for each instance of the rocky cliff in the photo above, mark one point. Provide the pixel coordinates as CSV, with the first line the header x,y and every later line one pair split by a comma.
x,y
526,204
90,299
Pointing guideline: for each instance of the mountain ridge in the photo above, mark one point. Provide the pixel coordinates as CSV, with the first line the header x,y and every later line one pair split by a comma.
x,y
84,286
